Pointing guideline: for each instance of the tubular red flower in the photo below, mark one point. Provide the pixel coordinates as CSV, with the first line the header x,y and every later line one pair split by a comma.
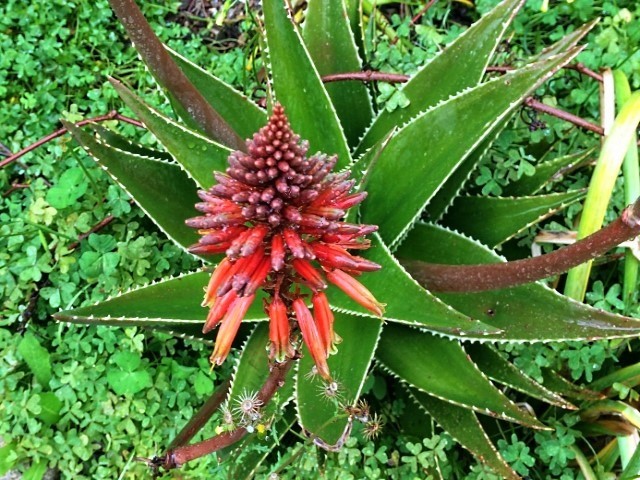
x,y
216,220
213,236
254,240
294,243
241,272
356,291
219,310
310,274
330,213
236,246
332,256
311,337
345,203
209,249
259,276
279,330
277,252
229,328
219,275
324,320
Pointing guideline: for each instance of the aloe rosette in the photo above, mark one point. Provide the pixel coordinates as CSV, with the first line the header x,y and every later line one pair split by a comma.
x,y
285,229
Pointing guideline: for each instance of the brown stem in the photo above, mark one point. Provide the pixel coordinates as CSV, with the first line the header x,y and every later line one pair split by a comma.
x,y
169,75
500,68
98,226
14,187
366,76
580,67
113,115
478,278
424,9
561,114
200,419
180,455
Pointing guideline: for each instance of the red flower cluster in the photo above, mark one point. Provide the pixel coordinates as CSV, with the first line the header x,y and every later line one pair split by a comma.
x,y
274,213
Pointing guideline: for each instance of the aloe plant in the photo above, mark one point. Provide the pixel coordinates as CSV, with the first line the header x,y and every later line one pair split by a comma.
x,y
276,230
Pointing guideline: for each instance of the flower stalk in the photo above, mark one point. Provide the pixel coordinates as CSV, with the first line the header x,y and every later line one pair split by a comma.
x,y
478,278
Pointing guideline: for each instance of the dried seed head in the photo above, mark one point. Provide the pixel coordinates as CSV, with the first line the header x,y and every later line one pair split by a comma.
x,y
331,391
248,407
373,427
227,417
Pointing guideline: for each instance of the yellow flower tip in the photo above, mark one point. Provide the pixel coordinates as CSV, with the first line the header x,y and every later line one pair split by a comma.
x,y
219,430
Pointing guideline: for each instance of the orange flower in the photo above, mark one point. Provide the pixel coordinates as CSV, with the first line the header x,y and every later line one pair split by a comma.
x,y
279,330
311,337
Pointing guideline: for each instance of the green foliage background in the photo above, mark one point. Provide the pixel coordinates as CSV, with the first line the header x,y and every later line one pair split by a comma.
x,y
86,400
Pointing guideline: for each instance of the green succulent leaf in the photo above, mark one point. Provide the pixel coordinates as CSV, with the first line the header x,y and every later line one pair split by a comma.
x,y
407,302
545,173
628,376
170,76
463,425
167,304
557,383
320,412
528,313
299,88
451,187
500,370
354,12
494,220
244,116
252,371
441,368
332,47
462,63
165,184
119,142
424,152
567,41
198,155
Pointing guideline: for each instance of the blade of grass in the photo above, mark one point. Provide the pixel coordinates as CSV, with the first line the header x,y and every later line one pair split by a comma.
x,y
601,186
627,444
631,174
632,470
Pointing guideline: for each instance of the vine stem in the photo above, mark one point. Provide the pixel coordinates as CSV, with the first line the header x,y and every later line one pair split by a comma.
x,y
424,9
112,115
478,278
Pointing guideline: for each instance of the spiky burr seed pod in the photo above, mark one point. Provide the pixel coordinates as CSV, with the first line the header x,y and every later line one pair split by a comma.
x,y
276,214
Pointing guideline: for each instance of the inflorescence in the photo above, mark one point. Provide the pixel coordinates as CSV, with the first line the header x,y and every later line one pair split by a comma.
x,y
277,214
